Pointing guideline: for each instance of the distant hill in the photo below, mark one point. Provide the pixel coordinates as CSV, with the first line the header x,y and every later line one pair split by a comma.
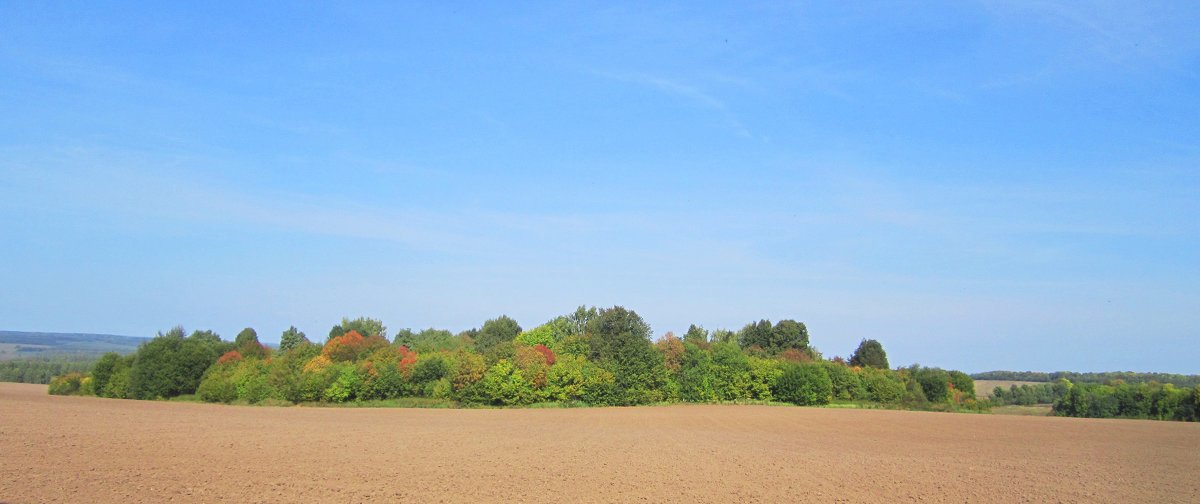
x,y
20,345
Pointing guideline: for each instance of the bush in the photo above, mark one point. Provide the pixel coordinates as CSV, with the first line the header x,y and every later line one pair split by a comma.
x,y
962,383
846,384
882,385
68,384
804,384
171,365
697,375
429,368
346,386
504,384
218,386
764,373
731,372
935,383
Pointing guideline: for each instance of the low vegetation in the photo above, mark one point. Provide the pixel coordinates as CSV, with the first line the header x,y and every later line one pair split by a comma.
x,y
588,357
42,369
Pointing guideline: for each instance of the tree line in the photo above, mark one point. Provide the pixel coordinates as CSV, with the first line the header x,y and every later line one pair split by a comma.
x,y
1117,399
590,356
1178,380
42,369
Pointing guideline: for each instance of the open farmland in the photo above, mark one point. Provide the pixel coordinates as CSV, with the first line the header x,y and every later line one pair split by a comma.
x,y
76,449
983,388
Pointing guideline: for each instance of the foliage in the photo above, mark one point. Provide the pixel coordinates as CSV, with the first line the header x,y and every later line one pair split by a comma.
x,y
882,385
548,334
1123,400
171,365
505,384
496,331
429,340
764,374
352,346
1182,381
104,369
804,384
42,369
1027,394
70,384
962,383
696,375
364,326
620,342
783,335
671,349
291,338
592,356
934,382
696,335
846,383
869,354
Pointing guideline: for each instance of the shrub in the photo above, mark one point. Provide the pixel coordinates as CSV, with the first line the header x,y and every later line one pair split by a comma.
x,y
68,384
963,383
697,375
804,384
118,383
846,384
346,386
466,369
429,368
171,365
731,372
504,384
218,386
935,383
764,373
104,369
882,385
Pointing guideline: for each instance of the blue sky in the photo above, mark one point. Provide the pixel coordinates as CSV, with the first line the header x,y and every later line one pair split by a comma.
x,y
978,185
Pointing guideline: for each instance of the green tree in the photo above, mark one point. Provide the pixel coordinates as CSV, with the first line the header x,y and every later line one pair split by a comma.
x,y
696,335
846,385
365,326
171,365
723,336
245,337
756,334
405,337
697,374
963,383
102,372
495,331
504,384
869,354
291,338
620,340
804,384
934,382
787,334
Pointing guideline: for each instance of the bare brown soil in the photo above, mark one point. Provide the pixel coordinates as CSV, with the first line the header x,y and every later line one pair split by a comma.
x,y
82,449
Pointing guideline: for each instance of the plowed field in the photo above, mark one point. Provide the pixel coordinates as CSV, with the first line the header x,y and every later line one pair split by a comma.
x,y
81,449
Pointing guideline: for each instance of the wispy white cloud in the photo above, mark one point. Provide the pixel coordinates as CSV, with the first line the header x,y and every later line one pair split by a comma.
x,y
686,91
